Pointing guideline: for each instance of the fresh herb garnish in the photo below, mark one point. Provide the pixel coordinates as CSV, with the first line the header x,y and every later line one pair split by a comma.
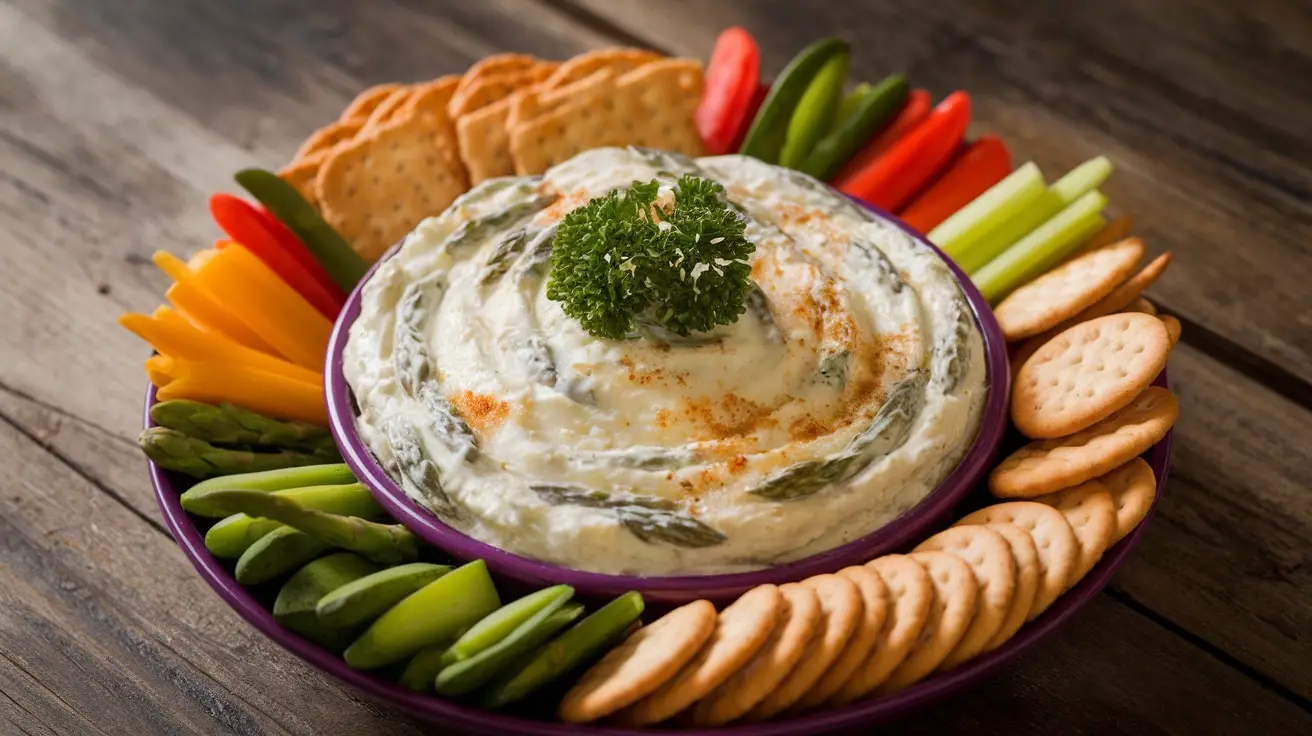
x,y
626,257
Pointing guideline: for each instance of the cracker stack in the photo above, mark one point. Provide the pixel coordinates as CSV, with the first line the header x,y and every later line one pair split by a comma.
x,y
403,152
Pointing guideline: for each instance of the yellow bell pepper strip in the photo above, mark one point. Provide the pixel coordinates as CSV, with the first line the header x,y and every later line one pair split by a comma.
x,y
188,295
1042,249
328,247
159,369
267,305
983,164
769,129
908,117
891,180
266,393
1076,183
961,234
732,75
181,340
872,108
816,112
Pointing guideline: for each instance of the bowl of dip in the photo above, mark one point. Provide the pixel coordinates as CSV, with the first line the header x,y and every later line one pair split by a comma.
x,y
858,399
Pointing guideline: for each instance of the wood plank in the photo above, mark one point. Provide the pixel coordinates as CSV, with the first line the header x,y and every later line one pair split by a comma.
x,y
1228,555
1220,178
91,634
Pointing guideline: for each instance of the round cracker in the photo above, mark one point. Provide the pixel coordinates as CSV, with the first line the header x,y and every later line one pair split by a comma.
x,y
741,630
798,624
1051,465
1092,516
1028,570
989,557
641,664
1067,290
1141,305
1054,542
326,138
840,609
874,615
955,594
1133,487
1087,373
911,594
1173,327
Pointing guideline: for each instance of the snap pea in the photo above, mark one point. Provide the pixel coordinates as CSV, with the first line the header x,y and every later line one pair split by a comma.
x,y
277,480
276,554
468,675
350,498
875,107
361,601
432,615
327,246
498,624
294,607
422,669
568,652
816,112
850,100
765,139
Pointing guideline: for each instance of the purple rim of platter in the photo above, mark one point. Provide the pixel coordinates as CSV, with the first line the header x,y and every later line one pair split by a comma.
x,y
912,524
854,718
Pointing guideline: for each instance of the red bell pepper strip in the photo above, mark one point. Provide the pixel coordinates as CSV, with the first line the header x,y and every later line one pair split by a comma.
x,y
753,107
293,245
891,180
731,81
243,223
912,113
983,164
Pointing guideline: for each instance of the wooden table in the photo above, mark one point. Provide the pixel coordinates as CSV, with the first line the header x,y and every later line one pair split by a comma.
x,y
117,119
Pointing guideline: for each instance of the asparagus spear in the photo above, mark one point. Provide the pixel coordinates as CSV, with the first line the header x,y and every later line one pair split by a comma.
x,y
173,450
386,544
226,424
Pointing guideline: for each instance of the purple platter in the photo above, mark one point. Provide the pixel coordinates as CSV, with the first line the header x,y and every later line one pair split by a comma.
x,y
853,718
914,524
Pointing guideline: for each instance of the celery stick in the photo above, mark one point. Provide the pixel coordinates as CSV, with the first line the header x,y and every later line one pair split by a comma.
x,y
958,234
1042,249
1082,179
1005,233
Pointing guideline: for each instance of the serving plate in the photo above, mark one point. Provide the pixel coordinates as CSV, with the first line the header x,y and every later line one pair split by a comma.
x,y
855,717
912,525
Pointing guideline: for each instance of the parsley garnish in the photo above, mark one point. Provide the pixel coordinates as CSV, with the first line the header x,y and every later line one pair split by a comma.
x,y
623,259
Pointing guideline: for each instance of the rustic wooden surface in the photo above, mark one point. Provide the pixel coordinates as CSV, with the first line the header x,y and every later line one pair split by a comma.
x,y
118,118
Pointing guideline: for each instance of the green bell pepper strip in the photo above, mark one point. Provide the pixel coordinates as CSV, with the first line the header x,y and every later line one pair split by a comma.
x,y
329,248
868,114
765,139
816,112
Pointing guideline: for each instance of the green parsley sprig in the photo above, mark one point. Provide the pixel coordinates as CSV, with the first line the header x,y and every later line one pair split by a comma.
x,y
624,259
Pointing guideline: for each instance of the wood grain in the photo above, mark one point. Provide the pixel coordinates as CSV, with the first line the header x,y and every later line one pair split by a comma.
x,y
1187,99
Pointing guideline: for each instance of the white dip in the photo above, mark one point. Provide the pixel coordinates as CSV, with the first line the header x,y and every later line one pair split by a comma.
x,y
845,394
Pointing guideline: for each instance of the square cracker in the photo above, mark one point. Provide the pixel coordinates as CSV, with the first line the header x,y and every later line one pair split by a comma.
x,y
650,106
620,60
376,188
481,120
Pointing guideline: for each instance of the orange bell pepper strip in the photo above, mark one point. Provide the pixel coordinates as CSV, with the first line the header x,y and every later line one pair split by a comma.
x,y
893,178
244,224
267,393
172,335
983,164
159,369
188,295
267,305
913,111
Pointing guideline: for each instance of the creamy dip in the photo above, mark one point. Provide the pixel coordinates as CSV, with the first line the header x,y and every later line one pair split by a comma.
x,y
850,388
